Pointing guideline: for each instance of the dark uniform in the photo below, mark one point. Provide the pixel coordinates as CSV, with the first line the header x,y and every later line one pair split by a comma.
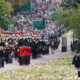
x,y
76,62
46,48
43,47
7,55
39,48
2,57
34,49
71,46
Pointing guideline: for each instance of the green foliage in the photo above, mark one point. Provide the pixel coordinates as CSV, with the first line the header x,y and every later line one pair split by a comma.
x,y
55,16
71,19
6,21
17,3
71,3
6,6
5,10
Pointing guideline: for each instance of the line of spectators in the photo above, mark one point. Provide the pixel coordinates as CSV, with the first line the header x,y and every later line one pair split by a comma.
x,y
41,9
23,48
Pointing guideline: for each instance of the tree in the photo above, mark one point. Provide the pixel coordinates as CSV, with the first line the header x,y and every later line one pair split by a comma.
x,y
70,18
17,3
5,10
7,6
71,3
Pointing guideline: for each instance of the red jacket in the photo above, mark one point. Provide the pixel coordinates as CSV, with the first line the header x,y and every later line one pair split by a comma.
x,y
24,51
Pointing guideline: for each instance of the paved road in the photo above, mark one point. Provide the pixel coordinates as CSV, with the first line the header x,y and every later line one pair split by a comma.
x,y
44,58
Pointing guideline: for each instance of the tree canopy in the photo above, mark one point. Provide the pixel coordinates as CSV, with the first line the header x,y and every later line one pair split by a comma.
x,y
6,6
70,18
17,3
71,3
5,10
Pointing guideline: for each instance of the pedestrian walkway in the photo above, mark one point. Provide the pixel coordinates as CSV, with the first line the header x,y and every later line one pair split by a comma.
x,y
44,58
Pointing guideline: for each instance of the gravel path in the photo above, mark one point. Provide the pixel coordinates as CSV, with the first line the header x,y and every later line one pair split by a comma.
x,y
15,65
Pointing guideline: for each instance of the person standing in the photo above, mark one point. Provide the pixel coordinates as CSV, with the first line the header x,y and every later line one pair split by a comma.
x,y
7,55
34,49
2,56
20,55
24,53
27,54
76,62
71,46
78,46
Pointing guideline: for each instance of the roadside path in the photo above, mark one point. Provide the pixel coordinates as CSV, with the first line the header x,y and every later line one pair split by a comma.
x,y
44,58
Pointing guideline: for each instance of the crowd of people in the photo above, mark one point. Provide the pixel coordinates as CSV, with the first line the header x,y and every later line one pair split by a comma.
x,y
40,9
23,49
33,43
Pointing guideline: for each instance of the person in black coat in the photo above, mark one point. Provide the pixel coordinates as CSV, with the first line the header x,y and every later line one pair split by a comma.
x,y
34,49
7,55
76,62
2,56
39,48
47,47
71,46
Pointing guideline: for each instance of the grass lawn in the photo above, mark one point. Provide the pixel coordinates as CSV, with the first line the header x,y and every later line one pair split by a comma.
x,y
59,69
